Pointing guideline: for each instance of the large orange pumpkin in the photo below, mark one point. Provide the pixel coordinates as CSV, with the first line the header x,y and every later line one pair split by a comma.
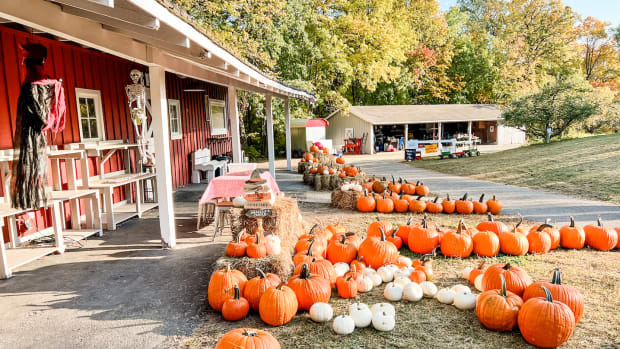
x,y
600,237
516,278
480,207
572,236
418,205
464,206
307,255
562,293
235,308
553,233
545,322
492,225
222,286
247,338
422,238
421,190
257,249
375,228
539,241
341,251
346,286
366,203
385,205
377,251
236,248
309,288
256,287
434,206
449,206
514,242
404,230
278,305
456,244
321,267
486,244
494,205
498,310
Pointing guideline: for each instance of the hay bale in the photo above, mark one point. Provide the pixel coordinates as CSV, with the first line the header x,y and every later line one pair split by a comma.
x,y
346,200
325,180
281,265
317,185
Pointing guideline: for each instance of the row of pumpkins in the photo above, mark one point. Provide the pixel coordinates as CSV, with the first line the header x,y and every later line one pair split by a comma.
x,y
389,202
346,171
315,275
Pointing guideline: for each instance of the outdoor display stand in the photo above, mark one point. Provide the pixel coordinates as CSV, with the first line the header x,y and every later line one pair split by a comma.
x,y
16,255
132,177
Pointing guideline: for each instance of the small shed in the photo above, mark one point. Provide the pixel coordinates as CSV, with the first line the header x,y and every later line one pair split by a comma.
x,y
381,124
306,131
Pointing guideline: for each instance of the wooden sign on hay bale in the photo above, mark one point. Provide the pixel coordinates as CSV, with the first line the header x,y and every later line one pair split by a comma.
x,y
346,200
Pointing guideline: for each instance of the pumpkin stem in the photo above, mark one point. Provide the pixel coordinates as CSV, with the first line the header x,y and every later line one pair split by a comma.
x,y
394,231
481,198
503,288
257,239
464,197
599,221
520,221
310,247
547,294
420,197
378,219
481,265
448,197
507,266
544,226
436,198
305,271
417,183
228,268
282,283
572,222
250,333
237,292
313,228
491,219
410,219
424,222
382,233
344,239
557,277
261,273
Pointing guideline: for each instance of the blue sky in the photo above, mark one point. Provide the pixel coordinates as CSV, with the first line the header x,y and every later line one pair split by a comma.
x,y
605,10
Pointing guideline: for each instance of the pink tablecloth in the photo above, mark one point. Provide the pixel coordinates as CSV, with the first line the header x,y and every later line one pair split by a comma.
x,y
231,185
239,167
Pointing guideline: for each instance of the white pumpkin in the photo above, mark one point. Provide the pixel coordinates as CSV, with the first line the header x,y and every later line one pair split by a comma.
x,y
341,268
343,324
412,292
387,275
405,260
382,321
478,283
402,281
459,288
429,289
273,245
368,271
403,273
466,272
361,314
239,201
383,308
345,187
465,300
364,284
376,279
393,292
445,296
394,268
356,187
321,312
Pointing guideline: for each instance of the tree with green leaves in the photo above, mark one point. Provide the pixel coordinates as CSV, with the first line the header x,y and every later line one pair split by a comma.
x,y
560,104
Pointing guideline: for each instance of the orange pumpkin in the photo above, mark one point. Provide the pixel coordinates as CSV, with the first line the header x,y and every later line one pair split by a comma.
x,y
572,236
309,288
544,322
341,251
385,205
492,225
417,276
449,206
486,244
433,206
235,308
340,160
309,157
474,273
321,267
256,287
247,338
278,305
222,286
418,205
479,206
421,190
498,310
494,205
562,293
464,206
539,241
456,244
346,286
366,203
516,278
422,238
600,237
375,228
514,242
236,248
257,249
378,251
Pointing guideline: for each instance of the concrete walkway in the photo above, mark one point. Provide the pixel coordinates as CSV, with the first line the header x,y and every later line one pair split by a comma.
x,y
118,291
534,205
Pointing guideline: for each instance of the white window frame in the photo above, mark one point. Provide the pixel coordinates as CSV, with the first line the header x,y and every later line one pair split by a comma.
x,y
220,103
96,95
175,135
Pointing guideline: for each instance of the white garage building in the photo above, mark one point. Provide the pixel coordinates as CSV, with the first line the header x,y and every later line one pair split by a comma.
x,y
383,124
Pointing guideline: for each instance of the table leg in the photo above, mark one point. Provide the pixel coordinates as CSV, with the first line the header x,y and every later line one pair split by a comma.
x,y
57,222
88,211
139,197
76,220
12,228
5,271
109,202
96,213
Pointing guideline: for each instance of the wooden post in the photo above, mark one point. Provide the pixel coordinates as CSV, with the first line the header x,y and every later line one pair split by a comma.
x,y
406,135
270,140
161,133
469,129
235,133
287,121
439,131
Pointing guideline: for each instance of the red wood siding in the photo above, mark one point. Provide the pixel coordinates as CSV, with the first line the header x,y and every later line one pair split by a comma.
x,y
89,69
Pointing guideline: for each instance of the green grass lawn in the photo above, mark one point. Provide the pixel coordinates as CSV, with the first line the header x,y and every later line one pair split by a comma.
x,y
586,167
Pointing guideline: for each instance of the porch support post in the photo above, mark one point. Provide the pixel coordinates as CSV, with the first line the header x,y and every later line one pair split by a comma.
x,y
406,134
159,120
287,121
439,131
469,129
270,140
234,124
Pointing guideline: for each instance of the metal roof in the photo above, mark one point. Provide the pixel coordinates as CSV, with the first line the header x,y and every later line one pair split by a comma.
x,y
417,114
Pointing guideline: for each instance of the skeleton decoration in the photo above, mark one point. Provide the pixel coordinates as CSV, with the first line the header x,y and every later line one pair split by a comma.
x,y
136,98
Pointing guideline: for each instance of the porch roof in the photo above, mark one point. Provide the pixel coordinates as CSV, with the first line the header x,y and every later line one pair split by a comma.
x,y
149,32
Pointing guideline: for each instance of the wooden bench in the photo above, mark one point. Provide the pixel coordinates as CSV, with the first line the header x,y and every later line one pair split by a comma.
x,y
201,162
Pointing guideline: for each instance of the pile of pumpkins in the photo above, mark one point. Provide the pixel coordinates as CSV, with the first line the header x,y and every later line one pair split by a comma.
x,y
546,312
490,237
255,245
401,196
